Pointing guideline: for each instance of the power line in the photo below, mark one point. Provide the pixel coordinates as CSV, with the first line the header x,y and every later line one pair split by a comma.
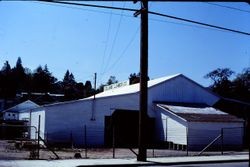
x,y
200,23
155,13
124,51
107,39
83,9
228,7
129,16
89,5
114,40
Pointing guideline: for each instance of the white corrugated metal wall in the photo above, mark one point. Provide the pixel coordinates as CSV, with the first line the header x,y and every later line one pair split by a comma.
x,y
64,119
200,134
71,117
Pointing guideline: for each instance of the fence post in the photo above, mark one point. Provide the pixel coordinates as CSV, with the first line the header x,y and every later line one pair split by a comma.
x,y
47,138
187,140
38,140
222,142
85,141
71,139
113,141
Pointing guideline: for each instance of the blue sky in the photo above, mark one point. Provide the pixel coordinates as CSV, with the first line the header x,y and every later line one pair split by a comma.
x,y
88,40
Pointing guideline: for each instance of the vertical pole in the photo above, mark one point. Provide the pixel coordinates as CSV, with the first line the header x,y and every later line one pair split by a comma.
x,y
38,139
187,140
95,85
71,139
222,144
142,154
93,102
85,140
47,138
113,141
248,137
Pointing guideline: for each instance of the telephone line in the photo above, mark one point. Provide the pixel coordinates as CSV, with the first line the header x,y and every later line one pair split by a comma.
x,y
228,7
89,5
150,12
200,23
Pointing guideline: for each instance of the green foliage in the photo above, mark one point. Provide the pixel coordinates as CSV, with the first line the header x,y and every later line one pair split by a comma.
x,y
236,88
111,80
20,79
134,78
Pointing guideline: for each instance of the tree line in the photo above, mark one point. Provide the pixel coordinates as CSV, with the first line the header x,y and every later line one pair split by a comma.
x,y
227,83
20,79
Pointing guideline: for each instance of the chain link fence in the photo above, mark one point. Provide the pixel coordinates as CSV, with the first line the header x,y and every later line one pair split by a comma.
x,y
80,144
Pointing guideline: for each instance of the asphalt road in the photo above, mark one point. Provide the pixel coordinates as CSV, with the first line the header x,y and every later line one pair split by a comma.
x,y
233,164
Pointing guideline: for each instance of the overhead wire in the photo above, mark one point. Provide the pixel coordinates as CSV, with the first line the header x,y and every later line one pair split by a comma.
x,y
127,46
150,12
89,5
124,15
199,23
228,7
107,39
114,41
154,13
124,50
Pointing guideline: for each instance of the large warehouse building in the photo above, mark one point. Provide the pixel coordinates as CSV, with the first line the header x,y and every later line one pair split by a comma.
x,y
179,112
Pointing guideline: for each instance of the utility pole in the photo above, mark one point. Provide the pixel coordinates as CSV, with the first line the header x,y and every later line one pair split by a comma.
x,y
142,154
94,85
93,102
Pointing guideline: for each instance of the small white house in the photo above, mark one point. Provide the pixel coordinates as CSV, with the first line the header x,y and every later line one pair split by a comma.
x,y
20,111
84,121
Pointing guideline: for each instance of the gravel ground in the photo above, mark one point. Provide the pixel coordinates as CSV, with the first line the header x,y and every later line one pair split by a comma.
x,y
8,151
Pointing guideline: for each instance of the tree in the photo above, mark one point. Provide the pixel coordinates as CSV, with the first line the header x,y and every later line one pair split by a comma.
x,y
6,69
7,84
69,86
19,76
219,75
134,78
88,89
221,82
241,86
237,88
43,80
111,80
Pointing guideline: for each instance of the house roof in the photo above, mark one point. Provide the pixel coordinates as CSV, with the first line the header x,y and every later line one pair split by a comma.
x,y
22,107
199,113
132,88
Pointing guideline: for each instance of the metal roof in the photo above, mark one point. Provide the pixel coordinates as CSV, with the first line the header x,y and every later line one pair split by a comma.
x,y
199,113
22,107
132,88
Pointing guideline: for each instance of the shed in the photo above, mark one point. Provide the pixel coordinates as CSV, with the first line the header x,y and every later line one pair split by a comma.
x,y
197,125
19,111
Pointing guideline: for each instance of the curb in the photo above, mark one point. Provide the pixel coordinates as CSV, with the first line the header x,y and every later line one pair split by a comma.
x,y
153,163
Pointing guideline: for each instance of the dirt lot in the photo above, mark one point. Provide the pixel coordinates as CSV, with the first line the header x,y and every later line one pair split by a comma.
x,y
9,151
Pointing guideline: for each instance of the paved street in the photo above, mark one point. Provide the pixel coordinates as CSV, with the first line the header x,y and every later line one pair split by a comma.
x,y
234,164
226,160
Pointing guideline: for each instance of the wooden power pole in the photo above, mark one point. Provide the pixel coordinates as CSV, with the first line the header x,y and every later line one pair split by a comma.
x,y
142,155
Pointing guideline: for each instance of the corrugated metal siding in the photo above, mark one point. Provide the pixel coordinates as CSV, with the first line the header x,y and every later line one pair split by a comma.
x,y
174,131
34,122
181,89
201,134
63,119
